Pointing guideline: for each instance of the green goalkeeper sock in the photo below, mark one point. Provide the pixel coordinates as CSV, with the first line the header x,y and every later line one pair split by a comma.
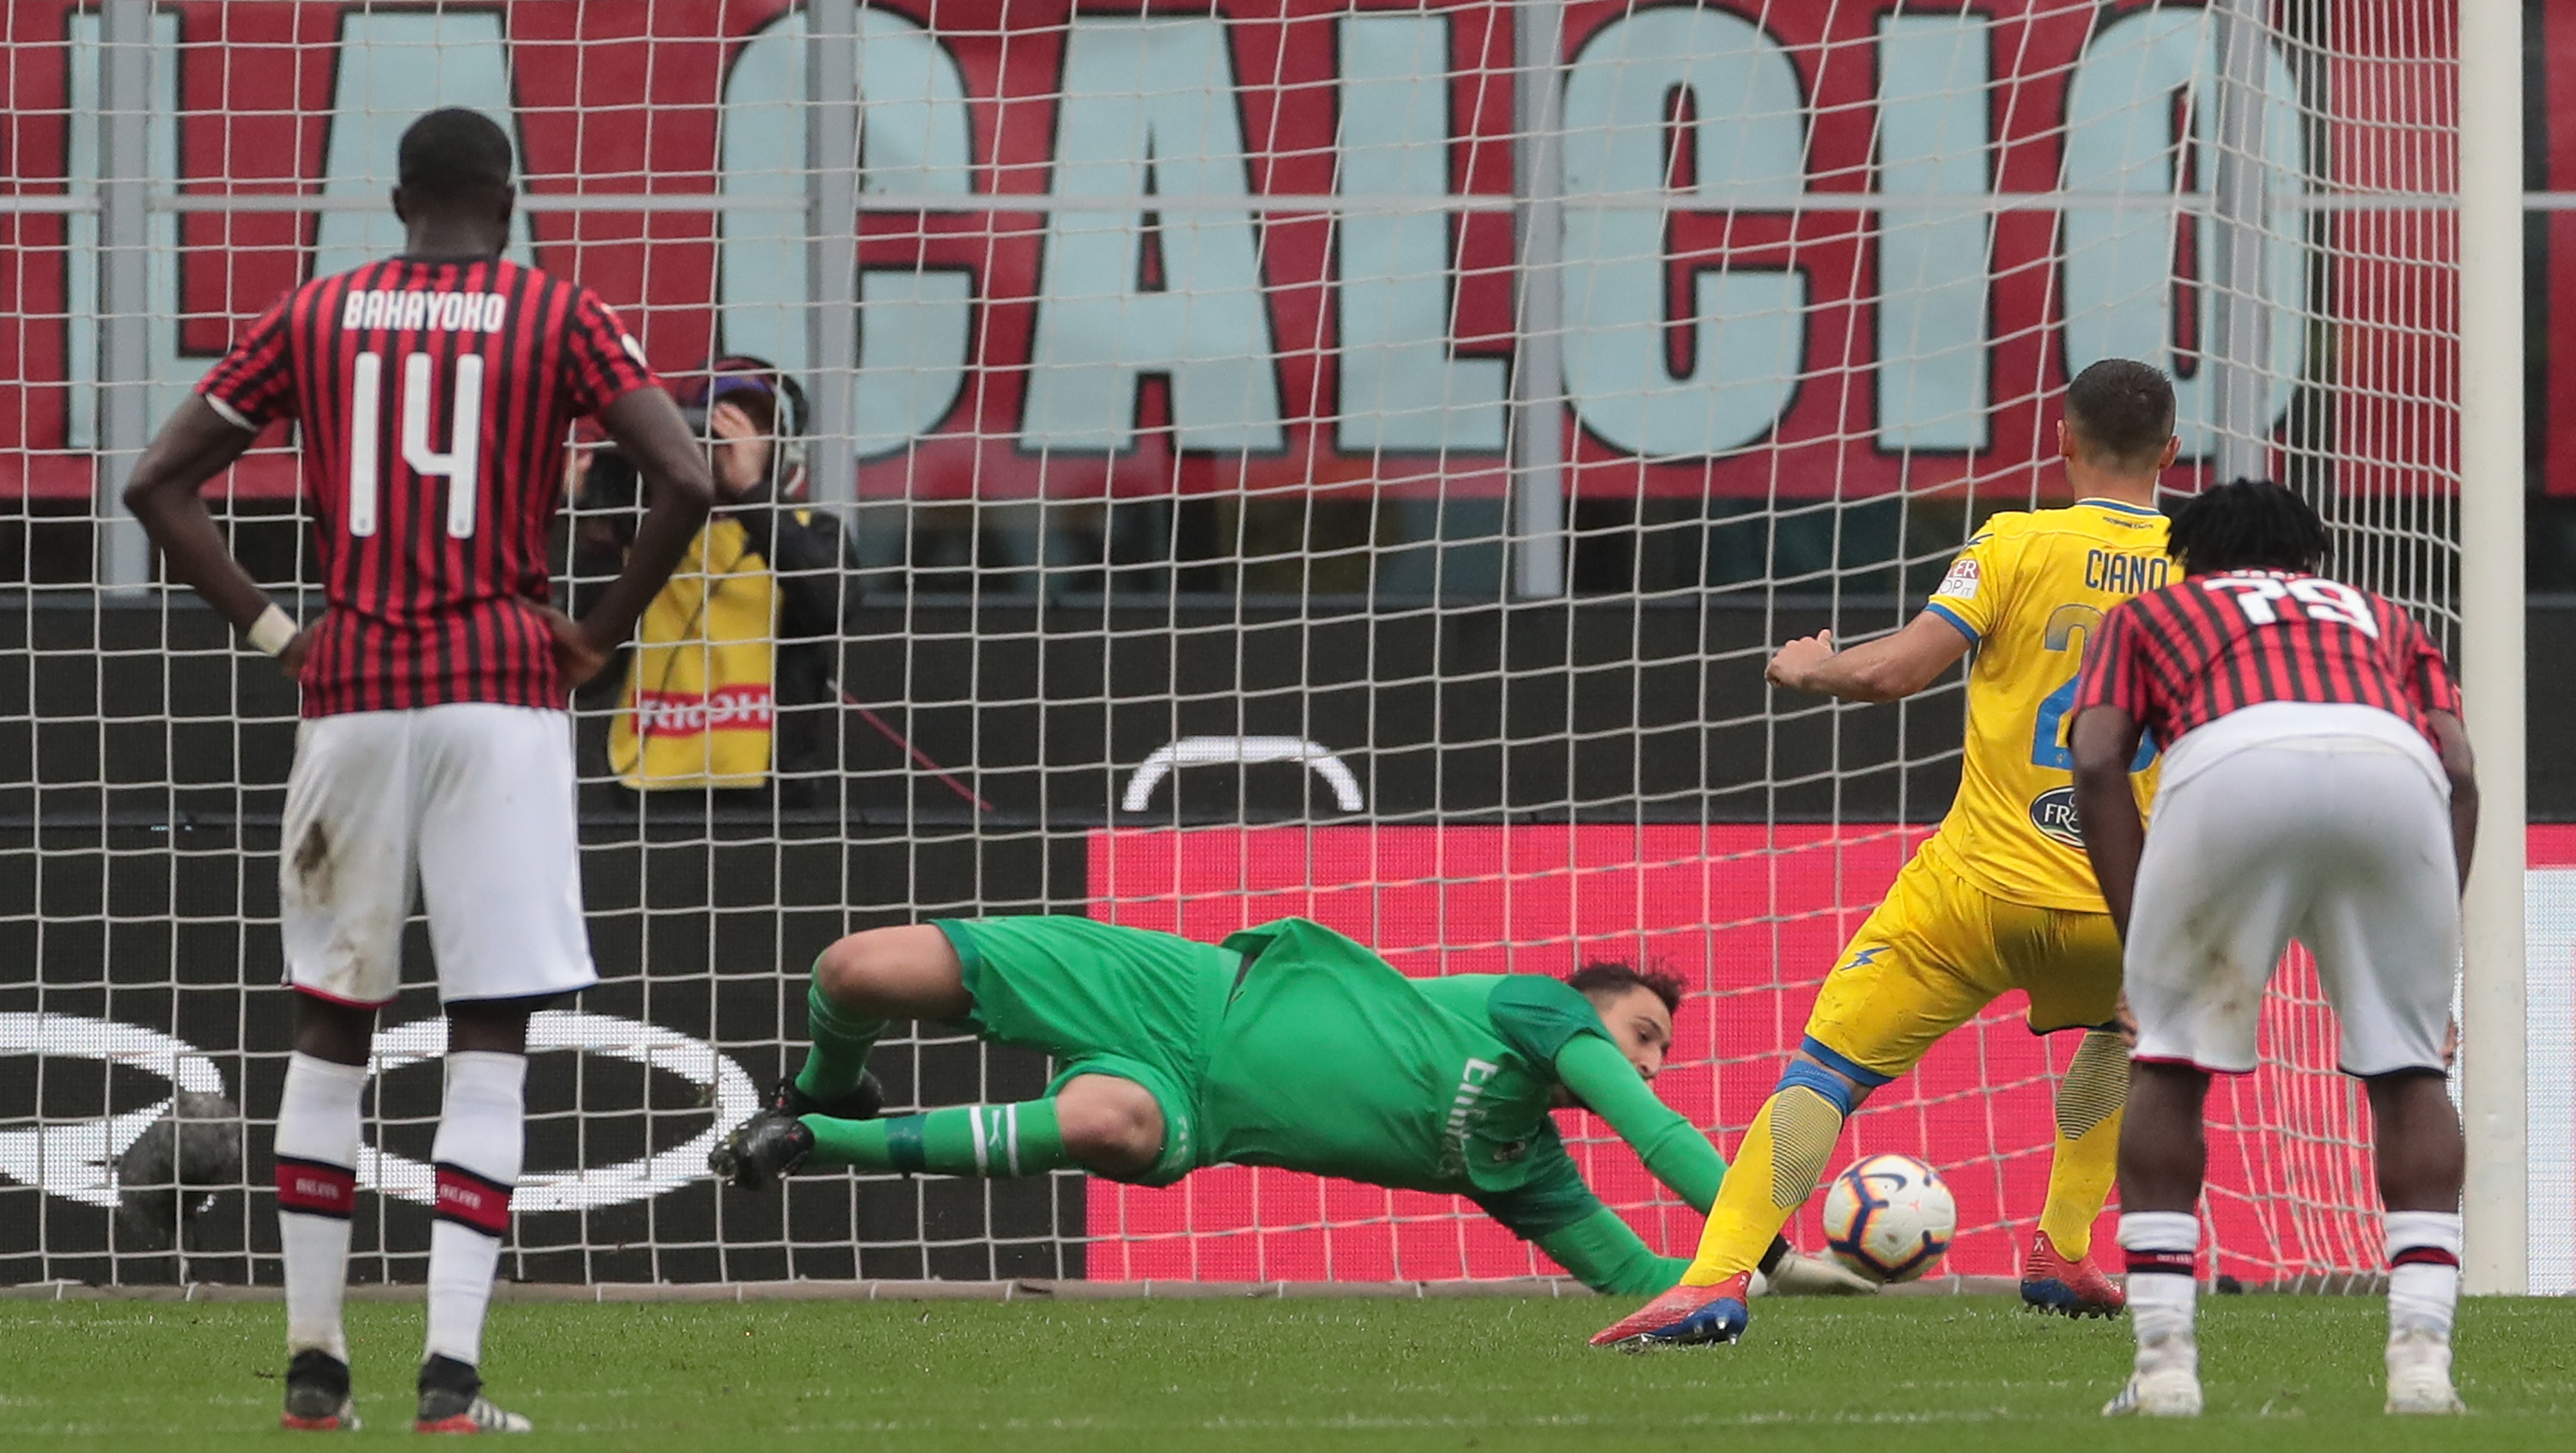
x,y
992,1141
838,1053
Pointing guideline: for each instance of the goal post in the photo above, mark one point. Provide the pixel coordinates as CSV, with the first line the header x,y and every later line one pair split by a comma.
x,y
1337,457
2493,605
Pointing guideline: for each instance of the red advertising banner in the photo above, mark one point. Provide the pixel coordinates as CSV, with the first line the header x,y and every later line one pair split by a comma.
x,y
1752,919
1268,244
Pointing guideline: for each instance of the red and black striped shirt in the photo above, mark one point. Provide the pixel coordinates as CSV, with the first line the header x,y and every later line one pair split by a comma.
x,y
2187,654
434,399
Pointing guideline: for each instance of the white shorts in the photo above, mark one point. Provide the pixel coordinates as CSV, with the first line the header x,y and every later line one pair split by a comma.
x,y
474,803
2330,824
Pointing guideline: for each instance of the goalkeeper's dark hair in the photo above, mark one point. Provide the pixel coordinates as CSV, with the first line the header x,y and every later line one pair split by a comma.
x,y
2249,524
2123,410
1604,976
453,154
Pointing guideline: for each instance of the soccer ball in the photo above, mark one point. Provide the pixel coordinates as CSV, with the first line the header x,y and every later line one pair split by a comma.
x,y
1889,1217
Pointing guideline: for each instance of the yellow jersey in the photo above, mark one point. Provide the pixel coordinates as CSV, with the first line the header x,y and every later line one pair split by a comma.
x,y
699,706
2029,591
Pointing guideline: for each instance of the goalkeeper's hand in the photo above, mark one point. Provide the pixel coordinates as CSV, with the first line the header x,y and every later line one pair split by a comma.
x,y
1799,1275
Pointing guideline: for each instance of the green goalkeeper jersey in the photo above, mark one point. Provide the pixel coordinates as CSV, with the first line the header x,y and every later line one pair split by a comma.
x,y
1330,1061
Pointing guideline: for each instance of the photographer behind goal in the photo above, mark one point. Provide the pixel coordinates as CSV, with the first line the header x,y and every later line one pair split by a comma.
x,y
731,687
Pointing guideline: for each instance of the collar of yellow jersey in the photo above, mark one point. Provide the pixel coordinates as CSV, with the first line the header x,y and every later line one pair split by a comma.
x,y
2123,506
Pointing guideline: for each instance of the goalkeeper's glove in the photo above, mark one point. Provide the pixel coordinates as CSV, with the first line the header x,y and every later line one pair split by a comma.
x,y
1798,1275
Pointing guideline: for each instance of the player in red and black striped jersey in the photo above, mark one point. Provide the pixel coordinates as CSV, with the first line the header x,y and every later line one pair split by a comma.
x,y
2317,785
434,396
2179,658
434,392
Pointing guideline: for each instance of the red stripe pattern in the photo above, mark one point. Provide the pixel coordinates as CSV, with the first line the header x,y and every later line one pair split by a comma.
x,y
2425,1256
316,1187
2160,1263
434,399
473,1201
2185,655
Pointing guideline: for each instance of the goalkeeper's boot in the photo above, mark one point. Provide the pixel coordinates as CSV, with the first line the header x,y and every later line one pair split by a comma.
x,y
2050,1282
2419,1374
2166,1383
761,1151
317,1394
866,1101
1686,1316
452,1401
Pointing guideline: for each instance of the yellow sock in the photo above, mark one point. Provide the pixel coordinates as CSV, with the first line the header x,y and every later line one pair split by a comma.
x,y
2087,1154
1776,1170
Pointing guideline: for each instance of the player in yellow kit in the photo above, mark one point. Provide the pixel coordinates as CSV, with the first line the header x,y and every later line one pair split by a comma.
x,y
2000,897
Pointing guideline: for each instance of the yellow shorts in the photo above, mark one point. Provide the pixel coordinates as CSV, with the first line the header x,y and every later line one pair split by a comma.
x,y
1938,950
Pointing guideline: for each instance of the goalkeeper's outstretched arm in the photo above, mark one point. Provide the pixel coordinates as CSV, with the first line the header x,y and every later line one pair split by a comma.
x,y
1675,1153
1554,1209
1603,1081
1604,1254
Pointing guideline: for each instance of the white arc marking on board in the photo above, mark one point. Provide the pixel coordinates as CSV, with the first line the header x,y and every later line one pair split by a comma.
x,y
1247,751
77,1160
651,1046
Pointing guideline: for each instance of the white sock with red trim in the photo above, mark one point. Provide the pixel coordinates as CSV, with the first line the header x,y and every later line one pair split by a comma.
x,y
2162,1248
480,1136
317,1187
2423,1271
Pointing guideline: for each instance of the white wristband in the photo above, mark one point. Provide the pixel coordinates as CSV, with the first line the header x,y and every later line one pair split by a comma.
x,y
270,633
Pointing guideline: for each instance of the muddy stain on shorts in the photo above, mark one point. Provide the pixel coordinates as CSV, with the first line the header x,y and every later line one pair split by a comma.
x,y
313,865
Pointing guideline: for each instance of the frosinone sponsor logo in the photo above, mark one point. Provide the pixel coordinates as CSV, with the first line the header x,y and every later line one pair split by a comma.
x,y
2053,813
747,707
77,1160
1472,1082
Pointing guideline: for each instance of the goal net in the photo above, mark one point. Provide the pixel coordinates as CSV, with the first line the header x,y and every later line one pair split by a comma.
x,y
1291,456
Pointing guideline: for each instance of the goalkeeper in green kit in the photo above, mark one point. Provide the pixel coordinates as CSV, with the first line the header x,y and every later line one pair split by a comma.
x,y
1288,1045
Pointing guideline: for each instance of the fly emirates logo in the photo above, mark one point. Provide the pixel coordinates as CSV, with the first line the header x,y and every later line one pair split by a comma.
x,y
1463,1113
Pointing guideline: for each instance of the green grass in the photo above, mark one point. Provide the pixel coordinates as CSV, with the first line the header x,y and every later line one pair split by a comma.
x,y
1158,1377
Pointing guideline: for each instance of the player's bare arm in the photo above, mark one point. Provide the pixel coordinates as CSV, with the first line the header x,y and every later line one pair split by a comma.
x,y
2104,740
1888,668
2460,764
678,492
194,446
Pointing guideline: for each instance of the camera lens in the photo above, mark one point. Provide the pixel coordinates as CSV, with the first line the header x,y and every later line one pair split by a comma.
x,y
611,483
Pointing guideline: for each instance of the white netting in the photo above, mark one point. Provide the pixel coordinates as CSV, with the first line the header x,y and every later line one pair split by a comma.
x,y
1298,456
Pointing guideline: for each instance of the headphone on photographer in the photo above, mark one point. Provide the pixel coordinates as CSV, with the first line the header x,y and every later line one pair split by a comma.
x,y
735,374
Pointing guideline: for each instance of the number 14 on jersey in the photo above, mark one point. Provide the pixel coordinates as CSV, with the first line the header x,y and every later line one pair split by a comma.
x,y
456,464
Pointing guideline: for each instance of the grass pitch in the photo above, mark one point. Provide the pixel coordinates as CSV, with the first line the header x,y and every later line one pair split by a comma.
x,y
1918,1374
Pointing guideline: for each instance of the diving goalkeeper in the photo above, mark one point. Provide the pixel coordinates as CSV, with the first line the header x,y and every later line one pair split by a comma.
x,y
1287,1045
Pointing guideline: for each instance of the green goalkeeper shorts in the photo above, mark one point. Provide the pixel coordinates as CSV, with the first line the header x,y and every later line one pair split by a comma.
x,y
1103,1000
